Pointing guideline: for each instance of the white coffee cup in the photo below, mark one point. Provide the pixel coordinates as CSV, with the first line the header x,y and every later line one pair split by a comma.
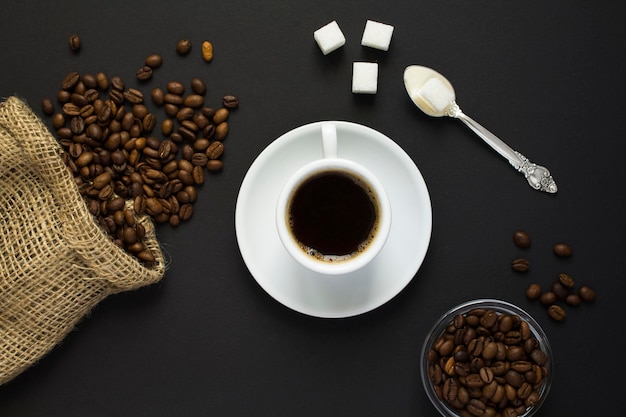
x,y
311,257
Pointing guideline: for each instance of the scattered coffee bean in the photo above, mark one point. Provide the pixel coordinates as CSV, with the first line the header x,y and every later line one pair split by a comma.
x,y
533,292
566,280
47,106
491,383
521,265
154,61
559,290
586,293
521,239
547,298
70,81
207,51
74,41
230,102
198,86
562,250
144,73
556,312
183,47
114,158
573,300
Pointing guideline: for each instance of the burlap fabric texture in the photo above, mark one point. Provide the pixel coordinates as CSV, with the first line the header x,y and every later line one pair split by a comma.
x,y
56,263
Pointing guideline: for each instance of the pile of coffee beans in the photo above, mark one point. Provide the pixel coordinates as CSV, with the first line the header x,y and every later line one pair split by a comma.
x,y
488,363
121,165
561,290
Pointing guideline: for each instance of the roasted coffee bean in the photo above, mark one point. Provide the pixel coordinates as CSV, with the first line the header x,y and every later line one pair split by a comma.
x,y
102,81
521,265
450,389
186,211
70,80
47,106
118,83
199,159
486,374
230,102
559,291
547,298
521,239
74,42
133,96
566,280
556,312
587,293
476,407
148,122
154,61
207,51
157,95
198,86
215,150
198,175
221,131
573,300
193,101
170,109
533,291
183,47
221,115
176,88
185,113
144,73
562,250
215,165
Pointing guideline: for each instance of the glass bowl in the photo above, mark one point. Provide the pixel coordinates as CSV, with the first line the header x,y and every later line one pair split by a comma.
x,y
539,377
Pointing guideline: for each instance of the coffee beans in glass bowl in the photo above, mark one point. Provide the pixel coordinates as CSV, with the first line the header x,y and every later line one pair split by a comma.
x,y
486,357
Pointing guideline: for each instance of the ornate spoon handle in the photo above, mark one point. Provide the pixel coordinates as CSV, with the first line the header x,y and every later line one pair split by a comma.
x,y
537,176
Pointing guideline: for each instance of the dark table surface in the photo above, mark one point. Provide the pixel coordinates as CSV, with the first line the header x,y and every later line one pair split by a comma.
x,y
547,77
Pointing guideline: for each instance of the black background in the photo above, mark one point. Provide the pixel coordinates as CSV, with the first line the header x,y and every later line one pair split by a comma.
x,y
547,77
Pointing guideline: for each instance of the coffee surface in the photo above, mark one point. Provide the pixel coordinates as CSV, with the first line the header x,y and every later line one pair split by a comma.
x,y
333,215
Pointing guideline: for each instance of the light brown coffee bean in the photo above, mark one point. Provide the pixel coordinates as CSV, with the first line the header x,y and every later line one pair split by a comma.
x,y
207,51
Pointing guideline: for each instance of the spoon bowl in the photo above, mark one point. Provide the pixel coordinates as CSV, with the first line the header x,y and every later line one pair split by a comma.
x,y
415,78
433,94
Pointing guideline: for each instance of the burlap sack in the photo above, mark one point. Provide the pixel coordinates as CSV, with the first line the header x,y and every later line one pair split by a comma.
x,y
56,263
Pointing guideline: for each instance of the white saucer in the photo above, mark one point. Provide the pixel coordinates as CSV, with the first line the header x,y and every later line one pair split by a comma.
x,y
345,295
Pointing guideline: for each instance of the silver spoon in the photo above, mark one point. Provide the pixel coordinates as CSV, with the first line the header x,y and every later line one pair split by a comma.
x,y
434,95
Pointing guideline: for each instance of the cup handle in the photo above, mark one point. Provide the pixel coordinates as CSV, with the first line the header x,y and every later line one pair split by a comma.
x,y
329,141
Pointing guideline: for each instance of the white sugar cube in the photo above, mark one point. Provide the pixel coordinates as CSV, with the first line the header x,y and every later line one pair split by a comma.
x,y
364,77
435,93
329,37
377,35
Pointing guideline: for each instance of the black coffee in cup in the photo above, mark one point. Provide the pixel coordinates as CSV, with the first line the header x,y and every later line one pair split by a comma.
x,y
333,215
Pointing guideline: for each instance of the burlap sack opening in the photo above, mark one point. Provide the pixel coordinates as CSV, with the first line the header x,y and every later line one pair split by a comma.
x,y
56,263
